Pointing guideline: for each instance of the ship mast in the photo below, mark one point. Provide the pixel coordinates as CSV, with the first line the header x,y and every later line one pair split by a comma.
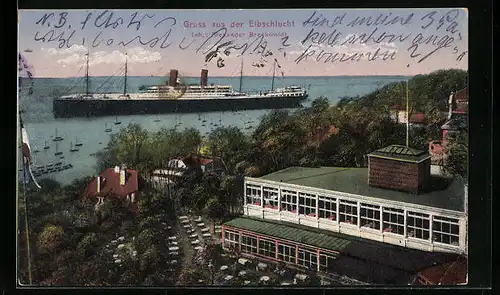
x,y
125,78
274,73
241,73
87,77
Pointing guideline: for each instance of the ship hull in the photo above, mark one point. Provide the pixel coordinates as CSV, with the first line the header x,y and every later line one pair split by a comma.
x,y
67,108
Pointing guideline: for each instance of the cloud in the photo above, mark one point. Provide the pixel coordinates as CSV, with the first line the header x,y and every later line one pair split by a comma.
x,y
135,55
73,49
72,59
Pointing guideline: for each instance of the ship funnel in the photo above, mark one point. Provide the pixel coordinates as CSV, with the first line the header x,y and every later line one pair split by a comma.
x,y
204,78
173,77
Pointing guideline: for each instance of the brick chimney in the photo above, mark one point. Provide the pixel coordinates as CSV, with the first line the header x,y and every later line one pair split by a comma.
x,y
451,104
399,168
122,176
173,77
204,78
98,184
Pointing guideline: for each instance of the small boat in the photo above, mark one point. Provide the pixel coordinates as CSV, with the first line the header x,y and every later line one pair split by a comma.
x,y
49,165
58,163
78,143
100,142
203,125
117,122
62,157
57,138
36,151
46,147
40,167
73,149
157,120
106,128
204,121
57,153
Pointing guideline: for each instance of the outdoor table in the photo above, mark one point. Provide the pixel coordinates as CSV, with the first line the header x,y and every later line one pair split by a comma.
x,y
198,248
301,277
173,243
242,273
183,217
242,261
173,253
187,226
264,278
193,236
205,230
173,248
118,261
262,265
121,246
184,221
195,242
201,224
206,235
172,238
224,267
115,255
227,278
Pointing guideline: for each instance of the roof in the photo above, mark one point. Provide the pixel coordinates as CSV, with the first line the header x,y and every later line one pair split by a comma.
x,y
110,183
400,153
450,273
406,259
204,161
417,118
447,193
462,95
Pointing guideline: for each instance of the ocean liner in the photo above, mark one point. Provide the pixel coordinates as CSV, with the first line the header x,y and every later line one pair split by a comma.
x,y
175,97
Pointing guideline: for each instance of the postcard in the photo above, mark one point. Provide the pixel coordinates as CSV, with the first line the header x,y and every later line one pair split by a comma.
x,y
194,148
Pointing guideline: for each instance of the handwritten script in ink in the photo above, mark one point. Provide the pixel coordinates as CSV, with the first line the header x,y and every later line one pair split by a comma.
x,y
421,36
328,37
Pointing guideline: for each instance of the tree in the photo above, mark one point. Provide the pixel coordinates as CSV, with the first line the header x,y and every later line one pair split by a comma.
x,y
230,144
456,150
51,238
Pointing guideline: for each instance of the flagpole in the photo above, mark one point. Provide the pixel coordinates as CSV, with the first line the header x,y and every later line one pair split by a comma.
x,y
407,117
28,250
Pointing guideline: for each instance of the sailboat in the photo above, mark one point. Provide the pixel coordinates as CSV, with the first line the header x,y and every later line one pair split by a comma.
x,y
106,128
78,143
73,149
57,138
117,122
57,153
46,147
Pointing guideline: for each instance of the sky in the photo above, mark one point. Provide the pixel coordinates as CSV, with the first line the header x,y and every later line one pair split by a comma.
x,y
304,42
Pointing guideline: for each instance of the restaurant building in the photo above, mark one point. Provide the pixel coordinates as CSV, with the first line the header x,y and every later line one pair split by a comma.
x,y
394,216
